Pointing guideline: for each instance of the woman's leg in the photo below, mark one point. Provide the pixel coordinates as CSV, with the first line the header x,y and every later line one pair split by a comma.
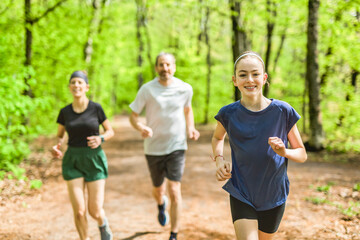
x,y
96,194
246,229
76,189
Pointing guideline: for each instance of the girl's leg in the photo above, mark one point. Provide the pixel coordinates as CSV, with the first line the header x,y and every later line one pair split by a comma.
x,y
265,236
246,229
76,191
96,192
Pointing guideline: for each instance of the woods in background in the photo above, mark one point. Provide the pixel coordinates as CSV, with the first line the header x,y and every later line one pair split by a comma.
x,y
310,47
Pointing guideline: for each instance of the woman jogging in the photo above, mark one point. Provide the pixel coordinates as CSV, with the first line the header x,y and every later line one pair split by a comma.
x,y
259,131
84,163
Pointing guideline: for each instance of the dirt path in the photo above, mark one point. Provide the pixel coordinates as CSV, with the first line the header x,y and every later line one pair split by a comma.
x,y
132,212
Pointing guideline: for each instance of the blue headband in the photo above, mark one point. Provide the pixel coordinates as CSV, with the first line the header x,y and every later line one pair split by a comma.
x,y
79,74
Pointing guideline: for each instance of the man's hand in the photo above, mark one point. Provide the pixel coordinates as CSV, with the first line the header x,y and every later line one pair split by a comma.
x,y
193,134
146,132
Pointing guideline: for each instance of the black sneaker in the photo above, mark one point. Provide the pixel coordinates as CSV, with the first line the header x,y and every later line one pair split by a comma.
x,y
173,236
163,215
105,231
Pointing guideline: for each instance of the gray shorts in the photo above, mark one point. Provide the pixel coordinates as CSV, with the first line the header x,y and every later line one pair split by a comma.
x,y
170,166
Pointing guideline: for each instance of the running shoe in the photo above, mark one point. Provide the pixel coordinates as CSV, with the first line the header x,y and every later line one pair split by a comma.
x,y
163,215
105,231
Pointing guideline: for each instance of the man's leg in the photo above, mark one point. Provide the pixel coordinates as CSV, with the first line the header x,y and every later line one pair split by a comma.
x,y
159,192
76,189
176,204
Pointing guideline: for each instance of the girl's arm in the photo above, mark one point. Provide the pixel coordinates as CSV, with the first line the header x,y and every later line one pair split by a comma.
x,y
95,141
223,170
55,150
297,153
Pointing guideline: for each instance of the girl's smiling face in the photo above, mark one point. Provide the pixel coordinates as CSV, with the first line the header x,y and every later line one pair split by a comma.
x,y
249,76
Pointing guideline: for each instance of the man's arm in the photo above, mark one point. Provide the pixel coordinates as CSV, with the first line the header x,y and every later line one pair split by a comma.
x,y
190,125
138,125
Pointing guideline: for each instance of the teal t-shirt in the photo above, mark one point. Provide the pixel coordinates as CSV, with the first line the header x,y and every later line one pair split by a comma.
x,y
259,175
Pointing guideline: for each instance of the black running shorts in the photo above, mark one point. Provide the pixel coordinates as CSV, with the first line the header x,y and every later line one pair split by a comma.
x,y
268,220
170,166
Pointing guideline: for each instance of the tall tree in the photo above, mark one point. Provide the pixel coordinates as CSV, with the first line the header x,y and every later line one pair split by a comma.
x,y
93,29
29,23
312,78
208,63
271,9
141,33
239,44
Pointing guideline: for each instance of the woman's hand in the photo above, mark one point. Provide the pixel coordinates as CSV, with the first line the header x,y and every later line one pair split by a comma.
x,y
56,152
94,141
223,170
277,145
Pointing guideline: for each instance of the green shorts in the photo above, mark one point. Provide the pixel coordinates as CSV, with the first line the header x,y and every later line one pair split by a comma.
x,y
91,164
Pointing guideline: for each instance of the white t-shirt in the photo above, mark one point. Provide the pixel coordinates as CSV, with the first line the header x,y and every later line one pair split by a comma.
x,y
164,108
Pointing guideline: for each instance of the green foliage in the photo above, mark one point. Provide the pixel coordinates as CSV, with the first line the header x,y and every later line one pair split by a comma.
x,y
316,200
352,210
35,184
356,187
178,27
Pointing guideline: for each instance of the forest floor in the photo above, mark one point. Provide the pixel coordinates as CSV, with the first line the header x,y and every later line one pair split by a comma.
x,y
324,200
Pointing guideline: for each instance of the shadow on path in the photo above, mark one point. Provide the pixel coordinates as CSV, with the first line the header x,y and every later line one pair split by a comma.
x,y
138,234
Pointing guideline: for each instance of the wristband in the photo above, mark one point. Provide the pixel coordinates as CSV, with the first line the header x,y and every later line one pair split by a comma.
x,y
102,138
214,158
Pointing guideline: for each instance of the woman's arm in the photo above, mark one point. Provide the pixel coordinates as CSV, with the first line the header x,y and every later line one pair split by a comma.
x,y
95,141
55,150
223,170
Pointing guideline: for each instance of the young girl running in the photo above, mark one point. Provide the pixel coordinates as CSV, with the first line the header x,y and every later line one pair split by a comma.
x,y
84,163
259,130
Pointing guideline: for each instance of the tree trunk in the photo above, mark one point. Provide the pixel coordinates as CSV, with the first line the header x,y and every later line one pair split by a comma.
x,y
278,53
312,78
271,9
208,63
93,29
140,21
28,45
238,37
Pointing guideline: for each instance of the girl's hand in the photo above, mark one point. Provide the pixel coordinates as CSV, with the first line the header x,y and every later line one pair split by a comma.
x,y
56,152
223,170
93,141
277,145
